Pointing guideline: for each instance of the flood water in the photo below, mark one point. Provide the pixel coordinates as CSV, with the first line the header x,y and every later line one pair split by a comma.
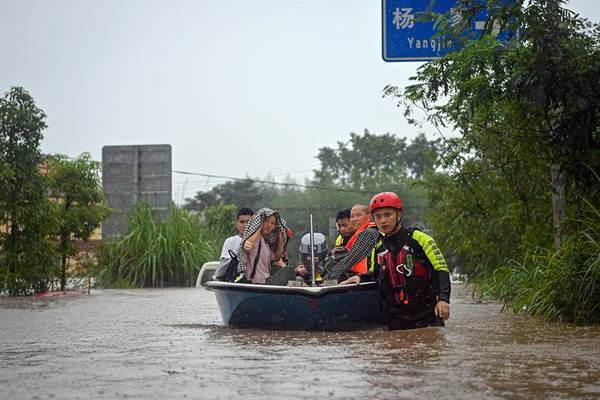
x,y
170,343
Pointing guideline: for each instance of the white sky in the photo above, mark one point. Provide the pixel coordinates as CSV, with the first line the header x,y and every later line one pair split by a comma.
x,y
236,87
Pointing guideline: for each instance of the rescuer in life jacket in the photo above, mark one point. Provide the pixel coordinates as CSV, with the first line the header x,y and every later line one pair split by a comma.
x,y
412,275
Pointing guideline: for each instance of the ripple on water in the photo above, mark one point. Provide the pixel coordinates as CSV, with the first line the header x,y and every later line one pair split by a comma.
x,y
170,343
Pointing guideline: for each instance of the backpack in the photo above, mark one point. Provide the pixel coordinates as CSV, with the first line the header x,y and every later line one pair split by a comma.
x,y
227,271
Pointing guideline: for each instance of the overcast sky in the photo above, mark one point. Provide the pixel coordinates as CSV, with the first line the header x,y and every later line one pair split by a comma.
x,y
236,87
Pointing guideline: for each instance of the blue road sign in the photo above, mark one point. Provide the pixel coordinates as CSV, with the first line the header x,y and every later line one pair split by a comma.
x,y
405,38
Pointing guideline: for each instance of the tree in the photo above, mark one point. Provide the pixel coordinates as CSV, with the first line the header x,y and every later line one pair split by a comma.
x,y
220,220
371,163
245,193
369,160
530,103
26,254
558,81
80,206
421,155
363,160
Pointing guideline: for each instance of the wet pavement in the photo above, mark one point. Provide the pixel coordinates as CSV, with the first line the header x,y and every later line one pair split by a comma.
x,y
170,343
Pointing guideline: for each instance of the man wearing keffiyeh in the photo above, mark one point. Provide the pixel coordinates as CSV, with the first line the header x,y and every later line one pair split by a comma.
x,y
259,253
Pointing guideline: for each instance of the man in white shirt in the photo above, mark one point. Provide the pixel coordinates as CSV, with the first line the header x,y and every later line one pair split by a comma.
x,y
232,243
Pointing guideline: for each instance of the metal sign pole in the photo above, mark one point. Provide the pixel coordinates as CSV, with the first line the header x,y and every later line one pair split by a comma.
x,y
312,251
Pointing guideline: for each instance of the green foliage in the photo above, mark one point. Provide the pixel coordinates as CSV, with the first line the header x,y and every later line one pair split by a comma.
x,y
26,215
421,155
557,285
239,193
367,161
536,97
80,209
522,109
483,218
159,252
220,219
518,110
218,223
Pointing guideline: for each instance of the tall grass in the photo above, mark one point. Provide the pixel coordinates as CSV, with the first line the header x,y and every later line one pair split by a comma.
x,y
559,285
158,252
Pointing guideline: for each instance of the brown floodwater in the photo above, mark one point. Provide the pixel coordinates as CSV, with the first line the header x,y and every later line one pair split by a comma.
x,y
170,343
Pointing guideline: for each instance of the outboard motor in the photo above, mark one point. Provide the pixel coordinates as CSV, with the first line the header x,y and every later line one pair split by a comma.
x,y
320,250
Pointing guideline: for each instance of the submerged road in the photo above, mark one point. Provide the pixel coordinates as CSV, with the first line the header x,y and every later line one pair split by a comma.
x,y
170,343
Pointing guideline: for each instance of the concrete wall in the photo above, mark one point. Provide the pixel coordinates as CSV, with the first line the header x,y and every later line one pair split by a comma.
x,y
132,174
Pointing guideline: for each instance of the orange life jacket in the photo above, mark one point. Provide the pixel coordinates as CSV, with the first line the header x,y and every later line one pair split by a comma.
x,y
361,266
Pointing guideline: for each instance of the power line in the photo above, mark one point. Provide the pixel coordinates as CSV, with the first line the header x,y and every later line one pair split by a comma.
x,y
281,169
412,197
274,183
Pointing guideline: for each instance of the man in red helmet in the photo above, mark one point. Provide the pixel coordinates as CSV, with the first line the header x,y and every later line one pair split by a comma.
x,y
414,281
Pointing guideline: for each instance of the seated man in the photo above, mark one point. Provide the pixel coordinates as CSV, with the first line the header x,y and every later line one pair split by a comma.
x,y
359,246
345,230
232,243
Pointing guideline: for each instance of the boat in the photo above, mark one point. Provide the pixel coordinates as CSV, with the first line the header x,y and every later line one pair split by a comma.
x,y
206,273
315,307
330,308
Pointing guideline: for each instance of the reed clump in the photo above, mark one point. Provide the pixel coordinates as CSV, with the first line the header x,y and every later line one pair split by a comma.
x,y
159,252
558,285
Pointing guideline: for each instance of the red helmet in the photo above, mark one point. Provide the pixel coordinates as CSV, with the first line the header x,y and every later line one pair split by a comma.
x,y
386,199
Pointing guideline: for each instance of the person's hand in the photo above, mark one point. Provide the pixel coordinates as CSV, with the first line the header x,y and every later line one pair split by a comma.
x,y
279,263
301,270
442,310
351,280
337,249
281,236
251,241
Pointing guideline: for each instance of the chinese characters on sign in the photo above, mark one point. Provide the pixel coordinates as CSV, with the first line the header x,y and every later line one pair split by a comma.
x,y
405,38
403,18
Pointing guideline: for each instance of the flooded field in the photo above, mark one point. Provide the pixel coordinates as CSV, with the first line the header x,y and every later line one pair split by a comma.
x,y
170,343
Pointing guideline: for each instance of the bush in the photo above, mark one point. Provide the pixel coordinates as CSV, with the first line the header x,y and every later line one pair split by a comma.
x,y
159,252
562,285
